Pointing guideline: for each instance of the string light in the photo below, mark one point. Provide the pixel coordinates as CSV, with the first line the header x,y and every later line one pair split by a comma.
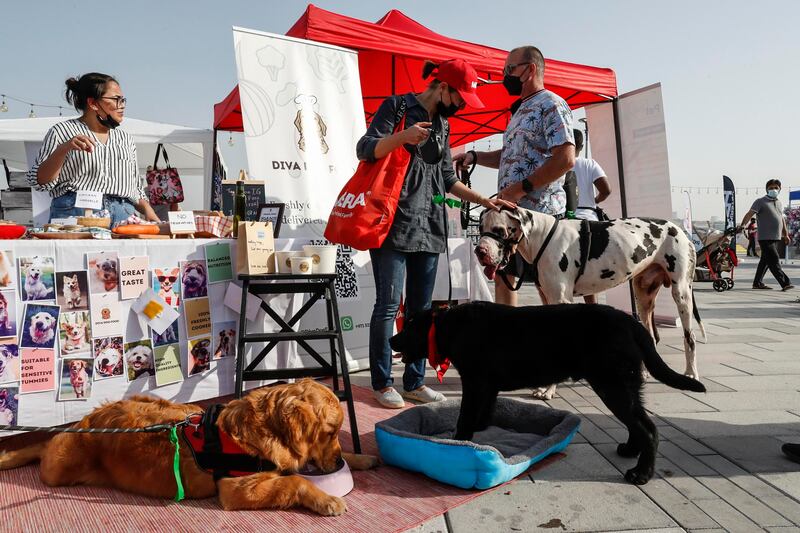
x,y
230,139
32,114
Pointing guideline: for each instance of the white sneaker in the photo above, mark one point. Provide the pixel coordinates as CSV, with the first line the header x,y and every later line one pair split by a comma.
x,y
390,399
423,395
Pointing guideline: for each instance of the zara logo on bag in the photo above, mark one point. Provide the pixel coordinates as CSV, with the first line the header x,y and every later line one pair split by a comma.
x,y
350,200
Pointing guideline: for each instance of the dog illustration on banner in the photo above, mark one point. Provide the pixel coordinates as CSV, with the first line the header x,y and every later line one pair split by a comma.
x,y
75,330
139,359
73,290
309,123
104,272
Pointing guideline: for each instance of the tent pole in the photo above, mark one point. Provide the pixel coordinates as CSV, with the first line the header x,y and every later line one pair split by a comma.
x,y
622,198
214,163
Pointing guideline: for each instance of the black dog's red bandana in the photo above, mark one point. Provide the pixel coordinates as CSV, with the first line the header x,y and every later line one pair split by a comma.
x,y
436,360
215,451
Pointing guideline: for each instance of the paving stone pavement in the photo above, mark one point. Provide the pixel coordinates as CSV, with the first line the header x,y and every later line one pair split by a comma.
x,y
719,466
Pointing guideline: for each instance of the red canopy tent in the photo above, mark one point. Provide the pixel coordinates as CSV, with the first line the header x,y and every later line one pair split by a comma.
x,y
391,53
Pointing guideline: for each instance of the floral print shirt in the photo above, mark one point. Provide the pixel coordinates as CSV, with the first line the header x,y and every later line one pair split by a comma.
x,y
541,123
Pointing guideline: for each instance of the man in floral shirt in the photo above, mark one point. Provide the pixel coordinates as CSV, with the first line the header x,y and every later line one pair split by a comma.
x,y
538,147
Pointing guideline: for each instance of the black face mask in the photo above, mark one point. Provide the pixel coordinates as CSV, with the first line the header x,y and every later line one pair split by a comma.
x,y
432,150
513,84
107,122
446,111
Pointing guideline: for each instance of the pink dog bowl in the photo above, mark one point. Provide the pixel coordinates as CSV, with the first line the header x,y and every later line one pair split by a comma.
x,y
337,483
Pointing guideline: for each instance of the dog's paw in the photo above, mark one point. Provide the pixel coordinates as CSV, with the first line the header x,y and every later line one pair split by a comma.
x,y
636,477
627,450
361,462
691,374
543,393
331,506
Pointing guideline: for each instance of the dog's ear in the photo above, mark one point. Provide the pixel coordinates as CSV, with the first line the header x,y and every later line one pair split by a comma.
x,y
523,217
158,272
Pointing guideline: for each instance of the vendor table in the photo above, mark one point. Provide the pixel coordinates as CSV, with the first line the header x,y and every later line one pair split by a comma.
x,y
319,287
42,409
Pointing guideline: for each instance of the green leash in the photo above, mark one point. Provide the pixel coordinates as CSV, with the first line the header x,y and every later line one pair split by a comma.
x,y
176,462
439,199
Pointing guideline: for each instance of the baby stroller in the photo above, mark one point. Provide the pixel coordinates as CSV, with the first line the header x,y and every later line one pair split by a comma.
x,y
715,257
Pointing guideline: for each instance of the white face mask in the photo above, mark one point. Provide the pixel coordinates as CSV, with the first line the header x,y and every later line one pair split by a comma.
x,y
773,193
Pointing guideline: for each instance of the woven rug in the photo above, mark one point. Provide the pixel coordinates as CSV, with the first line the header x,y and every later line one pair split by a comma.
x,y
385,499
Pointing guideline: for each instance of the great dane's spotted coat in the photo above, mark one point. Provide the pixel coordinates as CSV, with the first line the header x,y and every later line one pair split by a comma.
x,y
652,252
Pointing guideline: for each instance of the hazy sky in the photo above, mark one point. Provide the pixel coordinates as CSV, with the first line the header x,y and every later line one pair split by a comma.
x,y
729,69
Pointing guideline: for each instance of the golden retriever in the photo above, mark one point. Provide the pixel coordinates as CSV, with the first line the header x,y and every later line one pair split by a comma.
x,y
290,425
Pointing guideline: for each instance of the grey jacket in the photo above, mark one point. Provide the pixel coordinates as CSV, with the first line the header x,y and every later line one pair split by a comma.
x,y
419,224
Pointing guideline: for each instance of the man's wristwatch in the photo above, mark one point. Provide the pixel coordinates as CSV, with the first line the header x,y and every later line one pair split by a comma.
x,y
527,186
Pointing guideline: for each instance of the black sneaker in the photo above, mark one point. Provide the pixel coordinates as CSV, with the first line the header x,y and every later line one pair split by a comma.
x,y
788,287
761,286
792,451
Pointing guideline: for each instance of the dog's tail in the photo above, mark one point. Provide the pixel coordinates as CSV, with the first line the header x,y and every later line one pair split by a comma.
x,y
17,458
697,318
658,368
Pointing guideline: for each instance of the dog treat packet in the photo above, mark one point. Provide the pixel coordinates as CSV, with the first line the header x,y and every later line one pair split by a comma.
x,y
255,248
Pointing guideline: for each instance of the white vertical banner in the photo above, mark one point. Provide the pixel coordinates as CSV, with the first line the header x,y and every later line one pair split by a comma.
x,y
303,114
643,141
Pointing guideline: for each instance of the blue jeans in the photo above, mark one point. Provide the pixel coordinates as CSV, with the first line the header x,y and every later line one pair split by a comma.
x,y
64,207
390,269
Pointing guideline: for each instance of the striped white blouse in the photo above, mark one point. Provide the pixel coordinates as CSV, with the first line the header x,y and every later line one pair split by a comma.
x,y
110,168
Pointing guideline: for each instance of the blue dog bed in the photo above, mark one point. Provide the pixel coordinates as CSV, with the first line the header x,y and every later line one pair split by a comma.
x,y
520,434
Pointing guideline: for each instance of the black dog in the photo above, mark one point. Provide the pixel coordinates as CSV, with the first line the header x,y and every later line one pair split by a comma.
x,y
500,348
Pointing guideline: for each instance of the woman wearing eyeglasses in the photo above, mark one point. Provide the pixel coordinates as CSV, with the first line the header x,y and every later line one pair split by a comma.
x,y
89,153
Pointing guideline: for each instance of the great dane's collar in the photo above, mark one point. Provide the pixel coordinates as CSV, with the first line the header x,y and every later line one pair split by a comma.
x,y
507,244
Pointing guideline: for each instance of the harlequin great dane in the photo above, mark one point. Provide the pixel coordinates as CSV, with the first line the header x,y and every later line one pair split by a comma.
x,y
650,251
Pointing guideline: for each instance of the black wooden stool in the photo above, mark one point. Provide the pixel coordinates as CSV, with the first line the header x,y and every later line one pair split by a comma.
x,y
320,287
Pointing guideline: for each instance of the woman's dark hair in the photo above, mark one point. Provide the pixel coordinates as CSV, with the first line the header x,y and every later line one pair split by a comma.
x,y
773,182
427,69
91,85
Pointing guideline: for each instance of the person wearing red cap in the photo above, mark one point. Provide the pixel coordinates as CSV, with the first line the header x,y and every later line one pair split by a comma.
x,y
410,253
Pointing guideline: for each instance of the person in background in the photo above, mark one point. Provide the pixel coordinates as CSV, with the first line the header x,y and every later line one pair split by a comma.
x,y
538,148
752,234
410,253
89,153
771,230
589,176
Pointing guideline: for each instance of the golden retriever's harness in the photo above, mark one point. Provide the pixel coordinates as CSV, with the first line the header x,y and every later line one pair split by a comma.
x,y
215,451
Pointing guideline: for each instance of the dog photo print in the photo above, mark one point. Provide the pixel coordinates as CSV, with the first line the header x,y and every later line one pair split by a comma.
x,y
199,358
39,325
108,358
165,284
9,406
103,272
72,290
7,274
37,278
75,334
224,337
170,335
106,315
194,283
37,370
76,379
9,360
8,313
139,359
